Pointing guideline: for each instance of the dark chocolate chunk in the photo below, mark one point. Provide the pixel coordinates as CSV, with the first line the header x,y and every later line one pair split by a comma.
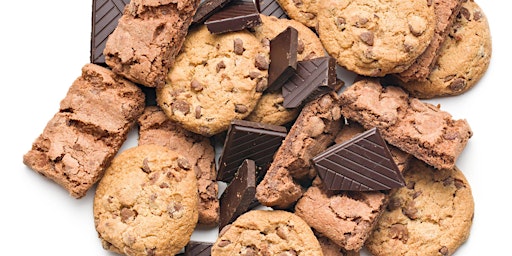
x,y
207,8
271,8
283,58
239,195
312,79
105,16
196,248
237,15
362,163
249,140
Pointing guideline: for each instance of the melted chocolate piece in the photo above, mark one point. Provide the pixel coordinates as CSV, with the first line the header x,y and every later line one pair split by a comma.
x,y
362,163
249,140
312,79
238,15
239,195
283,58
105,16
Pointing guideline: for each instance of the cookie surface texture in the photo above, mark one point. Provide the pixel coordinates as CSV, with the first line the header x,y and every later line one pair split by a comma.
x,y
456,73
156,128
263,232
146,204
432,215
375,38
303,11
216,78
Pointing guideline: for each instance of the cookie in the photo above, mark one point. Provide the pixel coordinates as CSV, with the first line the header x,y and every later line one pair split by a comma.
x,y
303,11
260,232
156,128
311,133
92,123
215,79
432,215
455,73
418,128
329,248
147,193
446,12
147,38
375,38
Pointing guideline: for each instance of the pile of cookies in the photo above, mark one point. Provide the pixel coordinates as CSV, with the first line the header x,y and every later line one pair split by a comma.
x,y
247,93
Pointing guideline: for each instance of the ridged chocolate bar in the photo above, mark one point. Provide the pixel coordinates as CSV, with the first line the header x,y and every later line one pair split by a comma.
x,y
196,248
312,79
362,163
249,140
238,15
105,15
207,8
271,8
283,58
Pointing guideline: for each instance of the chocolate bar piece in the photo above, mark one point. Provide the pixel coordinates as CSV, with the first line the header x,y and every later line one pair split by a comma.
x,y
312,79
239,195
238,15
362,163
249,140
271,8
105,15
196,248
283,58
208,8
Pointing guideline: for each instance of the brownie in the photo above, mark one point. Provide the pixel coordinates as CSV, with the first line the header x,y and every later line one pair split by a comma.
x,y
93,121
147,38
446,12
312,132
347,217
418,128
156,128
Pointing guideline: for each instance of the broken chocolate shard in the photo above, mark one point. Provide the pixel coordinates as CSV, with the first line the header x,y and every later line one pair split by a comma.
x,y
283,58
312,79
362,163
196,248
239,195
237,15
207,8
271,8
105,17
249,140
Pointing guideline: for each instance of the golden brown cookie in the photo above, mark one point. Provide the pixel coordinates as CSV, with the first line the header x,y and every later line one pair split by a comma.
x,y
146,204
215,79
432,215
303,11
260,232
270,110
463,58
156,128
375,38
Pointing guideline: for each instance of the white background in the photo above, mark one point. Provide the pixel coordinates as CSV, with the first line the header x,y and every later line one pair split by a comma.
x,y
43,46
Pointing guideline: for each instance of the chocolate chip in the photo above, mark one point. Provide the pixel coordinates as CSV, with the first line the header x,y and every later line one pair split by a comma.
x,y
465,12
254,74
477,15
223,243
145,166
184,164
196,86
238,46
399,231
297,2
239,108
265,42
153,177
459,184
220,65
361,22
411,184
444,250
281,232
164,185
410,210
416,194
457,85
367,37
300,46
127,214
394,203
448,181
248,251
261,62
198,112
261,85
181,106
175,210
